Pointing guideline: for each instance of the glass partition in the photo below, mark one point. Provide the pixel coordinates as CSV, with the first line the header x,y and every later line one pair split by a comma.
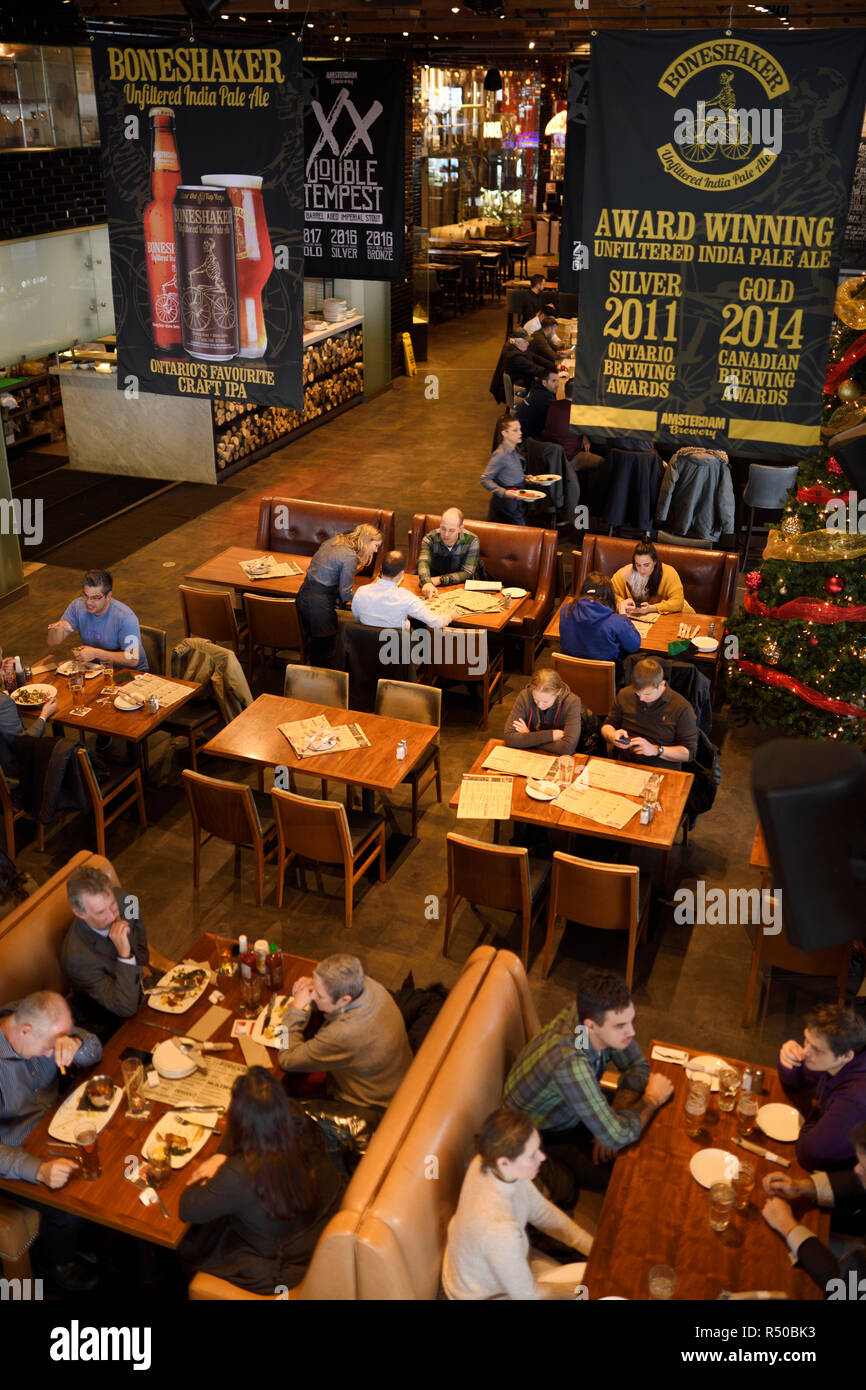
x,y
46,97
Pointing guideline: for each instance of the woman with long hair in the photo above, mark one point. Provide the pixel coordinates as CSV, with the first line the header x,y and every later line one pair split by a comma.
x,y
328,582
591,628
488,1254
261,1203
545,716
647,586
503,473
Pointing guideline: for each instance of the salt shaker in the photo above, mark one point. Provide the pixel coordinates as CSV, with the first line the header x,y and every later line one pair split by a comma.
x,y
401,749
153,704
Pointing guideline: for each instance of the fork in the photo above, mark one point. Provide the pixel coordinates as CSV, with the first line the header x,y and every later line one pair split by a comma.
x,y
143,1184
193,1125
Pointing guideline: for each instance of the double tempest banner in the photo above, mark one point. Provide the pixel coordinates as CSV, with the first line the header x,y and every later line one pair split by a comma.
x,y
714,207
354,122
202,151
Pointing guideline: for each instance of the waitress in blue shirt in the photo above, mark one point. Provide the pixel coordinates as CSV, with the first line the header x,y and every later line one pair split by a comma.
x,y
503,473
108,629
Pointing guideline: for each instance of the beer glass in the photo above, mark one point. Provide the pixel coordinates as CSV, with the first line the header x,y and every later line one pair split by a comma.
x,y
138,1107
158,1163
110,685
747,1110
254,258
87,1143
76,685
696,1107
744,1184
729,1084
721,1205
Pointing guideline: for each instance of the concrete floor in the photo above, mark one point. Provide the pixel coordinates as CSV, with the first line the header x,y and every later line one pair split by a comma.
x,y
410,452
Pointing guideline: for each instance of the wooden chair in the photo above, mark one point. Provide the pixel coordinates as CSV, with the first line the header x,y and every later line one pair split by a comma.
x,y
324,832
777,952
153,639
421,704
593,681
272,624
319,686
12,813
608,896
230,811
462,672
209,613
103,793
19,1227
495,876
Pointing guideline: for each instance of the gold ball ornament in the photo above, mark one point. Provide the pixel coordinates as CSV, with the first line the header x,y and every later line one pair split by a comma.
x,y
792,526
849,390
850,304
771,652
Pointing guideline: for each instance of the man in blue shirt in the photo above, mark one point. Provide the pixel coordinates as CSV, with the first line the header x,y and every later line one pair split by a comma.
x,y
108,629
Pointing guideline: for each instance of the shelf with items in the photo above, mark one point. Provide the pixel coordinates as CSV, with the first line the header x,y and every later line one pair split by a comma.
x,y
39,414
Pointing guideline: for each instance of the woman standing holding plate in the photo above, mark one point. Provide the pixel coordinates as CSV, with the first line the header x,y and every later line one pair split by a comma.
x,y
329,581
503,473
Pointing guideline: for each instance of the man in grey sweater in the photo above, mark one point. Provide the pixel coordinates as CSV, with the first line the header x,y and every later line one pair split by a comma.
x,y
362,1041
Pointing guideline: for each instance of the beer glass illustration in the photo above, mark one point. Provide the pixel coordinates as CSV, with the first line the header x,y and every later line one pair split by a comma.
x,y
254,257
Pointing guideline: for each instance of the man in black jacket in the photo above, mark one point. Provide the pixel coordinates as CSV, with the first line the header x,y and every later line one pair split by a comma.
x,y
845,1193
536,301
532,411
545,344
517,360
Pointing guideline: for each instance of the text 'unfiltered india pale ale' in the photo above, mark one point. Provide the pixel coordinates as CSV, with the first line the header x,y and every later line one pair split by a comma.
x,y
159,243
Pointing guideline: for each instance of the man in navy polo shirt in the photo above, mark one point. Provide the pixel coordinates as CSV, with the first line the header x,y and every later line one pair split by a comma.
x,y
108,629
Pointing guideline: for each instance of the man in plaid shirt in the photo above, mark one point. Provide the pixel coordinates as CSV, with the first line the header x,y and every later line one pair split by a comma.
x,y
449,555
556,1082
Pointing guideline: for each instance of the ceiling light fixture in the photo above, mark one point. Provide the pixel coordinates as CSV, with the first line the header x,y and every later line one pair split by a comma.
x,y
532,43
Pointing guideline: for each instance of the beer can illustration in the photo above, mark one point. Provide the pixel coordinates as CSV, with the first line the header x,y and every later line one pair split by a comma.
x,y
254,257
204,233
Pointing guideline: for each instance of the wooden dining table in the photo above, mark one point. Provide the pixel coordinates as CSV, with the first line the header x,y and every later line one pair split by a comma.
x,y
655,1212
104,718
659,834
494,622
110,1200
663,631
225,569
253,737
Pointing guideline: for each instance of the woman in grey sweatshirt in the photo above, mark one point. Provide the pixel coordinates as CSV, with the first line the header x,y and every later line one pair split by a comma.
x,y
545,716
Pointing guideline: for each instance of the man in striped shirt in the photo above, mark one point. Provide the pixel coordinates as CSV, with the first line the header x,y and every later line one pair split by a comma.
x,y
556,1082
448,555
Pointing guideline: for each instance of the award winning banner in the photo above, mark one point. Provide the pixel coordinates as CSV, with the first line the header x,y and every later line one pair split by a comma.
x,y
354,124
714,207
202,152
572,251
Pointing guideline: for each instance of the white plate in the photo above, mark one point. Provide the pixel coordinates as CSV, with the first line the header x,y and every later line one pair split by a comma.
x,y
281,1003
713,1165
780,1122
542,791
171,1062
515,593
124,705
527,494
69,668
711,1066
169,1123
705,644
46,691
544,478
65,1121
160,1001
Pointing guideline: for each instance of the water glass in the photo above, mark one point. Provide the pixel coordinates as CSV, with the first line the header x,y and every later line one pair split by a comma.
x,y
721,1205
729,1085
744,1184
565,770
138,1107
747,1112
251,996
662,1282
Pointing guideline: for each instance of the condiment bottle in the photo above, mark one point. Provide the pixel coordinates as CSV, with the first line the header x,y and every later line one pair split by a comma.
x,y
246,959
275,967
261,953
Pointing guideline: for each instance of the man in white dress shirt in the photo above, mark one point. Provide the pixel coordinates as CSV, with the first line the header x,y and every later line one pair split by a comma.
x,y
385,604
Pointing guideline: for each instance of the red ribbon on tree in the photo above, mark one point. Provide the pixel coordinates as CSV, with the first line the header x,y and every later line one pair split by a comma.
x,y
843,366
818,495
805,692
806,610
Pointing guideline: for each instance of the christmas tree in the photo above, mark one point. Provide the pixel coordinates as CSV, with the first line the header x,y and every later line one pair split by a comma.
x,y
800,661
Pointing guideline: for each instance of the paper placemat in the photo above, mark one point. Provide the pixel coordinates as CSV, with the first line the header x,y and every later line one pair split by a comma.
x,y
210,1090
484,798
521,763
209,1023
613,777
342,737
143,686
602,807
254,1054
283,570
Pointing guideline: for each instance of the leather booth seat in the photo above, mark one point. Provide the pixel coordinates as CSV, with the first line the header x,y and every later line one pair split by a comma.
x,y
388,1239
709,576
520,556
297,526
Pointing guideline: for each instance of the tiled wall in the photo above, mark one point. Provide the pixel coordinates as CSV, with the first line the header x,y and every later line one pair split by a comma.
x,y
50,191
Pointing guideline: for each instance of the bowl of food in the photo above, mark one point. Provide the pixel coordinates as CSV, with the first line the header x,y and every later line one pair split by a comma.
x,y
33,696
99,1092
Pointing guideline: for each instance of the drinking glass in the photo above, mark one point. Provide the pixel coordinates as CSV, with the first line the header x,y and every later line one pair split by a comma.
x,y
729,1084
565,770
721,1205
138,1107
110,685
662,1282
76,685
158,1164
223,963
747,1110
696,1108
744,1184
251,996
87,1142
653,787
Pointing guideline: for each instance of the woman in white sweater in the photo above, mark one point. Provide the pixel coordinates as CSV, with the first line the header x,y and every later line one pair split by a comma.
x,y
488,1253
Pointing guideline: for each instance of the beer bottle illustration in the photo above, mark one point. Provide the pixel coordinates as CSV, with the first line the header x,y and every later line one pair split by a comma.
x,y
159,243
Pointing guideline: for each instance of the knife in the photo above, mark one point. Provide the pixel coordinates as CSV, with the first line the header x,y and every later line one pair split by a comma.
x,y
267,1018
762,1153
219,1109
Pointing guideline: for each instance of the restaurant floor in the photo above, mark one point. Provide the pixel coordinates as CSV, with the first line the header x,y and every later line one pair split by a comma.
x,y
420,446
